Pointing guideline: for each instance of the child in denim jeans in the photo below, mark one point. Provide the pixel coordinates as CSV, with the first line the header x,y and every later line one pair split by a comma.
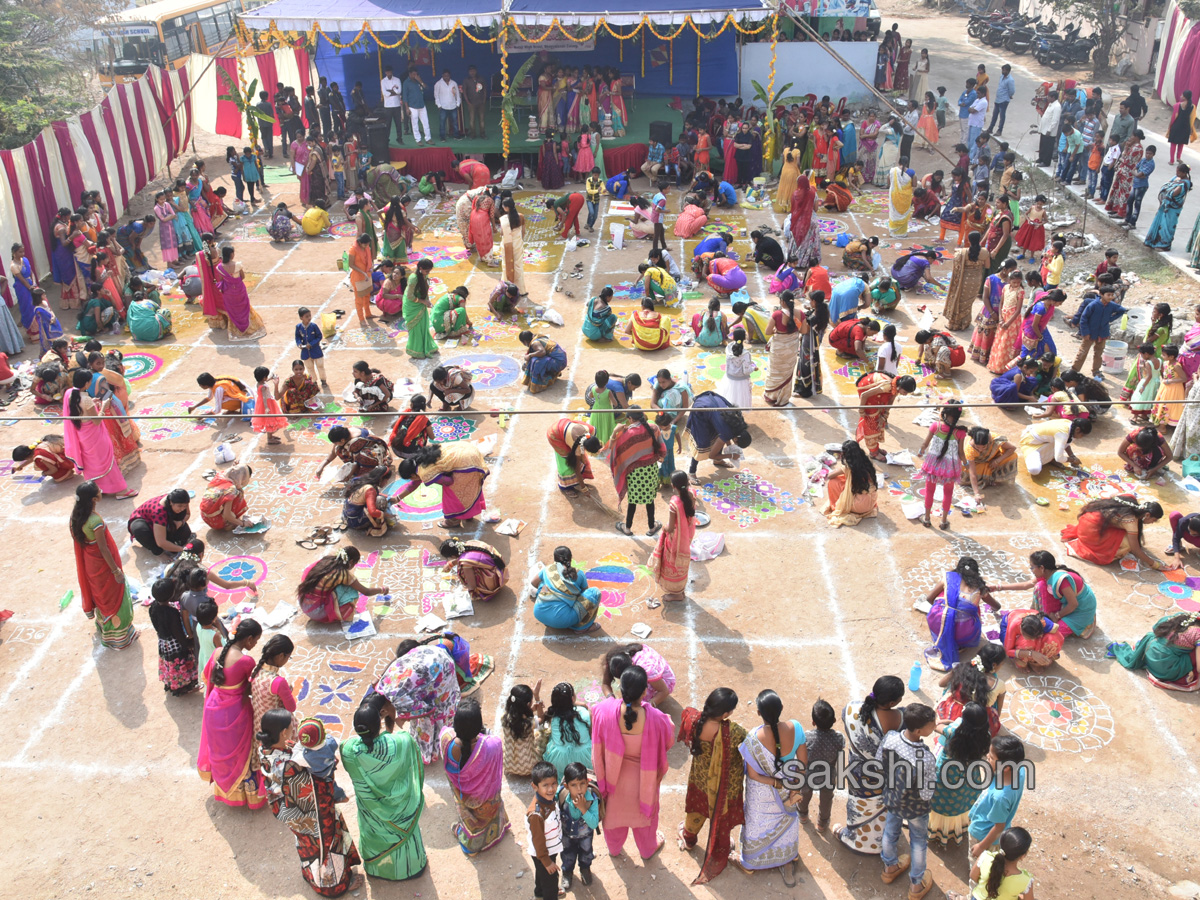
x,y
908,798
580,809
824,745
339,173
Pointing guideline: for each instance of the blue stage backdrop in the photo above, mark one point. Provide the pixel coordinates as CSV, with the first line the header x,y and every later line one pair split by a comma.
x,y
718,63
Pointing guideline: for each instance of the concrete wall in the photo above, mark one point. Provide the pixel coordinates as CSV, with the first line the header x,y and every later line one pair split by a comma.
x,y
810,67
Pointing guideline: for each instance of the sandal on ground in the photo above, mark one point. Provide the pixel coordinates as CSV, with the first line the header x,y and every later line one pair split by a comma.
x,y
945,526
624,529
306,544
683,844
125,495
788,873
209,475
877,456
655,530
924,520
891,873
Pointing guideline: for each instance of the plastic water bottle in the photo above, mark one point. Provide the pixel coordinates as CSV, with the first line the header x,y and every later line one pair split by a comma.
x,y
914,677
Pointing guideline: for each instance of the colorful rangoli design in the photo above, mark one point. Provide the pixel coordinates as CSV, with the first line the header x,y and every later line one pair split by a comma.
x,y
1080,486
328,682
139,365
1058,714
1165,590
453,428
934,288
746,498
708,368
628,290
855,369
489,371
830,227
441,257
237,568
422,505
871,203
344,229
622,583
169,429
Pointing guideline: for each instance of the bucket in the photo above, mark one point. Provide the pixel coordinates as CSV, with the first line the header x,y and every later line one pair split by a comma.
x,y
1113,358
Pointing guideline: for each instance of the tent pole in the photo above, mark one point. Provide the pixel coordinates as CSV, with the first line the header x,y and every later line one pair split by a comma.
x,y
807,29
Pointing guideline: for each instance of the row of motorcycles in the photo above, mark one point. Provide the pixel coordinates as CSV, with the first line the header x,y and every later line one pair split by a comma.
x,y
1025,34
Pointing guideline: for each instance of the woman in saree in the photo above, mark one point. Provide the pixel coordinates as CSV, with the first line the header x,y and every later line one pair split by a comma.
x,y
549,169
396,232
868,146
753,318
364,223
571,441
103,589
318,181
300,168
647,328
771,830
412,430
482,236
715,779
296,391
902,66
449,315
989,460
459,469
305,804
1167,653
1060,594
866,722
691,218
512,242
1006,338
474,761
545,360
87,442
417,305
966,278
390,296
545,99
988,316
1171,197
199,206
954,618
148,321
783,342
186,231
106,269
226,750
900,191
125,435
478,565
850,491
998,238
636,449
363,509
1124,172
62,259
1036,339
329,588
789,177
245,324
673,553
422,686
1030,640
389,781
1111,528
803,227
562,598
599,320
96,317
630,739
620,113
958,198
224,505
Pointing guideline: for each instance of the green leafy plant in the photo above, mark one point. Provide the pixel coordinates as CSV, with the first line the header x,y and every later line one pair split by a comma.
x,y
509,101
245,104
771,142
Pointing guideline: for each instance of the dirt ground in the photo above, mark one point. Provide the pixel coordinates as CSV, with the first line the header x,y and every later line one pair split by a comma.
x,y
101,784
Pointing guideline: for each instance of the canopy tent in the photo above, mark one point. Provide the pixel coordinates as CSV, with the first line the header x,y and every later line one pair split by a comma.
x,y
631,12
348,16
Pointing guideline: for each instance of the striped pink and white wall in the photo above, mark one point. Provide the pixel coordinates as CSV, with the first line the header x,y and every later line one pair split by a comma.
x,y
1178,56
116,148
289,65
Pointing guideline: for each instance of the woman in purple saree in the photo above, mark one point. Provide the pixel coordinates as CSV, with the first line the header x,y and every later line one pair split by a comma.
x,y
954,618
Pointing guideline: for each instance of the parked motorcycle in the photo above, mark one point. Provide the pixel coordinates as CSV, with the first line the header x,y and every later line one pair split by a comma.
x,y
977,24
1022,40
995,34
1076,53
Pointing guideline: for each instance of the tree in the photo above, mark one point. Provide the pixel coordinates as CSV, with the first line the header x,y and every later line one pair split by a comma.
x,y
1108,22
42,78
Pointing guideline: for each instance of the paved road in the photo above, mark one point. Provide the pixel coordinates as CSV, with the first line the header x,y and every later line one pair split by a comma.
x,y
954,58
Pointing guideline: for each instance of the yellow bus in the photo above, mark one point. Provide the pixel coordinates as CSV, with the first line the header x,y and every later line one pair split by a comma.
x,y
164,33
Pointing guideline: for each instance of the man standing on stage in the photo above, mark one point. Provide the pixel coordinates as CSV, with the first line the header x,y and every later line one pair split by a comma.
x,y
393,107
447,99
475,94
414,99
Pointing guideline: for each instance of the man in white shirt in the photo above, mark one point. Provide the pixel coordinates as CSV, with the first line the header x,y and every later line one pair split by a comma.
x,y
975,120
393,108
447,99
1048,131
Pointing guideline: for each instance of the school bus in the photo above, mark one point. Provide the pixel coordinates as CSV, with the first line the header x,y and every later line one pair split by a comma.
x,y
164,33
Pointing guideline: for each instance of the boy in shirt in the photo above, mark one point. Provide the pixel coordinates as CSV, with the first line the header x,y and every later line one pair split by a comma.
x,y
580,809
909,799
1111,156
593,185
544,826
1141,183
308,339
825,746
339,173
995,808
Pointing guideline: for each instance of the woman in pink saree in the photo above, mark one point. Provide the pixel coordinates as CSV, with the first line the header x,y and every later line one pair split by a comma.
x,y
475,769
630,740
211,299
87,441
458,467
480,229
244,323
673,554
226,751
300,153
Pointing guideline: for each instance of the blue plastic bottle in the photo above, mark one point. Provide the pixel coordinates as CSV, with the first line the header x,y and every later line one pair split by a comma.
x,y
914,677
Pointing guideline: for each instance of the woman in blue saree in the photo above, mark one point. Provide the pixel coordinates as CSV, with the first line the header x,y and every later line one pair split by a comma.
x,y
599,320
545,360
562,598
960,196
954,619
1170,203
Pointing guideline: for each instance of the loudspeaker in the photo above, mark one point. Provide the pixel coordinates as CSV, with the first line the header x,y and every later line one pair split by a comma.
x,y
661,132
378,134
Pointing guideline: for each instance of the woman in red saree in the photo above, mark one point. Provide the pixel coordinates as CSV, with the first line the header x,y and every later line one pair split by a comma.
x,y
1111,528
570,441
1029,643
102,585
877,391
48,456
296,391
803,226
715,781
673,553
412,430
730,173
480,228
212,300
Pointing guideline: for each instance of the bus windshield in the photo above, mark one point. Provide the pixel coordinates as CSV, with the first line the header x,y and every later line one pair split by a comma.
x,y
129,49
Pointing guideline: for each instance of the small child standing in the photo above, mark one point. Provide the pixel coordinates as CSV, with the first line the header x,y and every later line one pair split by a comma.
x,y
998,873
983,169
1095,160
994,809
1052,266
338,167
824,745
580,809
308,339
544,827
943,104
519,729
1031,236
265,404
909,801
1141,184
210,634
320,754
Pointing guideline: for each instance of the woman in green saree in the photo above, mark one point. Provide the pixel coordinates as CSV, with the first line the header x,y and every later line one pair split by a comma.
x,y
1167,653
421,344
388,777
450,314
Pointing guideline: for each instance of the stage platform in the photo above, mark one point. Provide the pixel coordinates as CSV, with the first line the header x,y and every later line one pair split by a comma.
x,y
619,152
